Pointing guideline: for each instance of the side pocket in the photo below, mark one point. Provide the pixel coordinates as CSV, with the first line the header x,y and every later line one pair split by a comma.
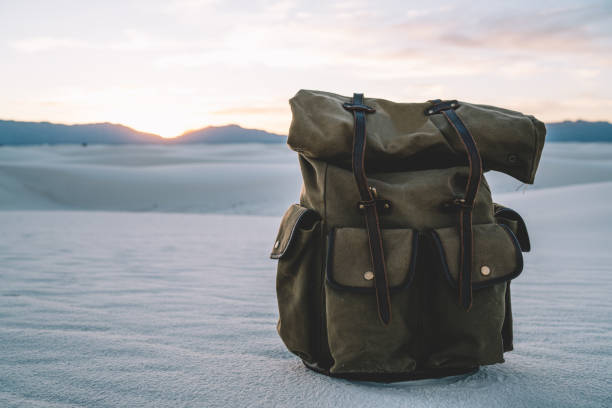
x,y
298,250
462,338
513,220
358,341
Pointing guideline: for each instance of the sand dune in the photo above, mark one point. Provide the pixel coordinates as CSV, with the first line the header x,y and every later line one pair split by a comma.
x,y
242,179
236,179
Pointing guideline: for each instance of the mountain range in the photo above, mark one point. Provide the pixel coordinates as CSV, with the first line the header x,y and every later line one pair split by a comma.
x,y
36,133
579,131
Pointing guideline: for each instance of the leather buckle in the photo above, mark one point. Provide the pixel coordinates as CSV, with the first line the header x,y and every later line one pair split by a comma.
x,y
457,202
439,106
382,206
358,107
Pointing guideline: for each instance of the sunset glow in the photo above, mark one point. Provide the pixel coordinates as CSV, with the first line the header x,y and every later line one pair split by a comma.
x,y
169,66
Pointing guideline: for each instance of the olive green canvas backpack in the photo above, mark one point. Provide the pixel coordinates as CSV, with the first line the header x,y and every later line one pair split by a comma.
x,y
396,264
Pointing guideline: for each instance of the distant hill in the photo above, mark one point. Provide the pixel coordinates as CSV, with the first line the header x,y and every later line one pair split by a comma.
x,y
579,131
227,134
34,133
37,133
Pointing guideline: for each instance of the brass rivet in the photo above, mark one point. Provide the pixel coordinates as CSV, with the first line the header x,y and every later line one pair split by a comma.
x,y
387,205
361,206
276,244
369,275
485,270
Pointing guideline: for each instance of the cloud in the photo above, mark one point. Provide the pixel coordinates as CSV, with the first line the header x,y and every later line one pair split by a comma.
x,y
132,40
186,6
212,60
586,107
38,44
252,110
579,29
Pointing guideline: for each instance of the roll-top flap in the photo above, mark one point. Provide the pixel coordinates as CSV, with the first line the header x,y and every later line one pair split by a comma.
x,y
497,255
401,137
348,258
295,217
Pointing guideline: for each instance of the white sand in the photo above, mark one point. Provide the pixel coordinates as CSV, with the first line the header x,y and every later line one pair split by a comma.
x,y
235,179
154,309
246,179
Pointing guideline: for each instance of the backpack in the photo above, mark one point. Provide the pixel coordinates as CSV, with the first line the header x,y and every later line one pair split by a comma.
x,y
396,264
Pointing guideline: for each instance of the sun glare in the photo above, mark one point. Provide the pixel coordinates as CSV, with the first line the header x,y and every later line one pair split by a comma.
x,y
167,125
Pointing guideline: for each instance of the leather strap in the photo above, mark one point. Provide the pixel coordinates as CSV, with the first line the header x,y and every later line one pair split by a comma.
x,y
368,204
465,203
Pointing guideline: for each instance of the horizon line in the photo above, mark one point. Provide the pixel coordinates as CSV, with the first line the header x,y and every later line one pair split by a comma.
x,y
219,126
141,131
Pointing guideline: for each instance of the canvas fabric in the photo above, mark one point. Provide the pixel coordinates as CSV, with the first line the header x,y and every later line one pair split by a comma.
x,y
417,165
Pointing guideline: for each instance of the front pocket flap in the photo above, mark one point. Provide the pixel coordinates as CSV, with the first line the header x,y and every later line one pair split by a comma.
x,y
348,258
295,217
497,254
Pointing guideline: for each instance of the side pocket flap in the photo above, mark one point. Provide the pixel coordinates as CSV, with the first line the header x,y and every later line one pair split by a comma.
x,y
295,217
509,217
349,266
497,254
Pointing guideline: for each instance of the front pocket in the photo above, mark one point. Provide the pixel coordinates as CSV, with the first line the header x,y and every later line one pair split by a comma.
x,y
358,341
460,338
497,254
298,250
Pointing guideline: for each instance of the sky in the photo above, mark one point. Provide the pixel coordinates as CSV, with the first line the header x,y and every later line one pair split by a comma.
x,y
170,66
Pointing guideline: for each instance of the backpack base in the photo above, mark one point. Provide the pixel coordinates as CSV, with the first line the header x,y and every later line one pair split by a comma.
x,y
395,377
